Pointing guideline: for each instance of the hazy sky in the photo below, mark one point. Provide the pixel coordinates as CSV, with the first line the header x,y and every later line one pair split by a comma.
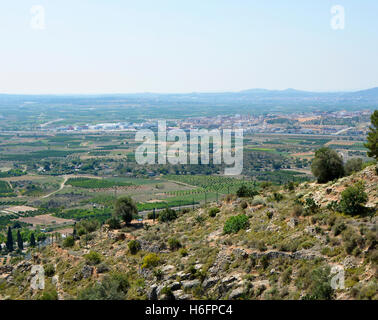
x,y
109,46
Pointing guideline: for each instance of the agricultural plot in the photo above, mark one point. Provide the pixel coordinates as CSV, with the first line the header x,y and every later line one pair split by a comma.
x,y
6,190
88,183
222,185
46,220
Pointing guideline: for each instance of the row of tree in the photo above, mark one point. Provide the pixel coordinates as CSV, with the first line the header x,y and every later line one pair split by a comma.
x,y
20,243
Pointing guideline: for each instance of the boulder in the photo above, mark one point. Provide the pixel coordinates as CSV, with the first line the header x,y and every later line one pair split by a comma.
x,y
189,284
210,282
152,293
237,293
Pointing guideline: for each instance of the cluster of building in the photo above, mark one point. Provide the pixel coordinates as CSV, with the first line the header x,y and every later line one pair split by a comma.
x,y
298,123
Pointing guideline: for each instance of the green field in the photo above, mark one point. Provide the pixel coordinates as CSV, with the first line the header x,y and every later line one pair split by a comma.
x,y
88,183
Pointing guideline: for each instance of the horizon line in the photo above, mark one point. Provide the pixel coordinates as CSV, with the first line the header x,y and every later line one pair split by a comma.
x,y
183,93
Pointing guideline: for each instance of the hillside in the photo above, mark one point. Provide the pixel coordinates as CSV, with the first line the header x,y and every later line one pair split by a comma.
x,y
285,251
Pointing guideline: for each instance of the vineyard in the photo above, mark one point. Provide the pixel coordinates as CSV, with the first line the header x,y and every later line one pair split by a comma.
x,y
222,185
89,183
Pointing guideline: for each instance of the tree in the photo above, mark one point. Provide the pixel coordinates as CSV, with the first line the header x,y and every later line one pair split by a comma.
x,y
353,199
372,139
20,243
9,242
32,240
353,165
125,208
327,165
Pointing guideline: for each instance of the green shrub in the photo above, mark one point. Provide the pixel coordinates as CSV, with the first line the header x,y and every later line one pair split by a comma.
x,y
183,252
134,246
246,191
277,196
49,270
113,287
114,223
310,206
150,260
353,199
174,244
167,215
236,223
353,165
213,212
150,215
320,286
69,242
93,258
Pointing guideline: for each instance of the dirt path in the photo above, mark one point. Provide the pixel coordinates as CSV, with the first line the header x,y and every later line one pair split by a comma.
x,y
60,188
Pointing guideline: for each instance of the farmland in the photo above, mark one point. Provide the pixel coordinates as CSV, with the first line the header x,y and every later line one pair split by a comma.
x,y
78,176
88,183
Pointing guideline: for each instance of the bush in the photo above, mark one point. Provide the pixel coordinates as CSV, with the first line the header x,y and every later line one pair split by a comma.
x,y
113,287
290,186
134,246
213,212
320,286
69,242
150,215
174,244
167,215
297,210
327,165
277,196
236,223
183,252
150,260
353,165
93,258
310,206
244,205
114,223
86,226
245,191
338,227
49,270
352,241
258,201
353,199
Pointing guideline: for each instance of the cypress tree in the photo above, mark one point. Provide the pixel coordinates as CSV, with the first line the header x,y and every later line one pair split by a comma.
x,y
372,139
9,243
32,240
20,243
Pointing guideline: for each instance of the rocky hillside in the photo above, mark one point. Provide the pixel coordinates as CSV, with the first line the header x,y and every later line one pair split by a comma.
x,y
278,245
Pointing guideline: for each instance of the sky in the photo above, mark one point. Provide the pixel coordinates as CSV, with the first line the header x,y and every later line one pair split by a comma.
x,y
173,46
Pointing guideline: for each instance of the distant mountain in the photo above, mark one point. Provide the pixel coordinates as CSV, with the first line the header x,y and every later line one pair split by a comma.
x,y
253,100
